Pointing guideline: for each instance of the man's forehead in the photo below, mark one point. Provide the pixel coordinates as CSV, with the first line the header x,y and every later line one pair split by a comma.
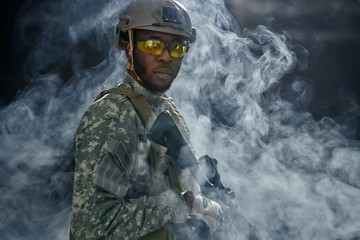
x,y
154,34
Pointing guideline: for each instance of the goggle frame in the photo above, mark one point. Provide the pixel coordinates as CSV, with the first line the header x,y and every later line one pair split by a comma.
x,y
185,45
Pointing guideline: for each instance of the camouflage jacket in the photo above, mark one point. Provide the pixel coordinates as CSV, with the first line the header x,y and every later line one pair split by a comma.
x,y
117,194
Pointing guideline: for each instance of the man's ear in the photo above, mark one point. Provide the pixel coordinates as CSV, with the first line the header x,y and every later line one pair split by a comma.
x,y
128,52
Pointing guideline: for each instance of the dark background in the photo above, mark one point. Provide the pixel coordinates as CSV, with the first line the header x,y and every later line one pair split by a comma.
x,y
36,188
328,29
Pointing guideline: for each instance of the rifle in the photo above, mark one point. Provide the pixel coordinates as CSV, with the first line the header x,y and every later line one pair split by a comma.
x,y
166,133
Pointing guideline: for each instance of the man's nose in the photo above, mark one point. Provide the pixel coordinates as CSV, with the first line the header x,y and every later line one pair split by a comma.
x,y
165,56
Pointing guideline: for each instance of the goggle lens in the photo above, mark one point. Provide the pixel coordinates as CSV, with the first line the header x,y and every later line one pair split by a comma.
x,y
153,47
157,47
177,49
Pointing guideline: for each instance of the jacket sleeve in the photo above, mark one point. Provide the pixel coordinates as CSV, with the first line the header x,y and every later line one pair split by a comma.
x,y
99,213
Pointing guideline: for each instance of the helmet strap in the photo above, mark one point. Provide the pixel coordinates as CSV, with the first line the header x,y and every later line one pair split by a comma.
x,y
130,65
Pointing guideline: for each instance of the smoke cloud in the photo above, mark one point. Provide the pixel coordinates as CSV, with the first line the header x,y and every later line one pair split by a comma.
x,y
294,177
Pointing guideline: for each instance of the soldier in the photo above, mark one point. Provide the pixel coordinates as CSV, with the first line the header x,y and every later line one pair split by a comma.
x,y
126,187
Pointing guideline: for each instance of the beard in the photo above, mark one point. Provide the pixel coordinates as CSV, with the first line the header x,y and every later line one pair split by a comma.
x,y
140,70
153,87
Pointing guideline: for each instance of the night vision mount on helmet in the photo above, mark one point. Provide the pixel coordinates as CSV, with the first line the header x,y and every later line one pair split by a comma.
x,y
167,16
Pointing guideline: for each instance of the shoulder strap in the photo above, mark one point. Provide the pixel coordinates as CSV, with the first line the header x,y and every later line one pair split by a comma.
x,y
139,102
143,110
173,178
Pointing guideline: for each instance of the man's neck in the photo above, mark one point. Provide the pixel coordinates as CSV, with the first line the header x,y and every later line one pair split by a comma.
x,y
137,79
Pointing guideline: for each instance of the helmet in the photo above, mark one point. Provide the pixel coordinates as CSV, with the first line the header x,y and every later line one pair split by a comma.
x,y
166,16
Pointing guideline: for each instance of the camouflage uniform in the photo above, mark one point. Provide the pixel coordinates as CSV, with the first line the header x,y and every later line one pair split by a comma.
x,y
117,193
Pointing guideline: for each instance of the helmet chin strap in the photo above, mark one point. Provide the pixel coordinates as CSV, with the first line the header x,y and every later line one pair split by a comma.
x,y
130,65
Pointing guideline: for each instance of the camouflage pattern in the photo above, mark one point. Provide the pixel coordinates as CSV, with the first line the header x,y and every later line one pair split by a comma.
x,y
146,202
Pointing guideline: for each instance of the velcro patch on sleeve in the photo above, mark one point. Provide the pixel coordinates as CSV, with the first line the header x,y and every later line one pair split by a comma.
x,y
113,172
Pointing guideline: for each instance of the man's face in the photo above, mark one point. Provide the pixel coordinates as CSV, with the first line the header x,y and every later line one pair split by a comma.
x,y
156,72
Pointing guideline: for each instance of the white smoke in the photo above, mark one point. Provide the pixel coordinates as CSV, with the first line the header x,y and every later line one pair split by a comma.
x,y
294,178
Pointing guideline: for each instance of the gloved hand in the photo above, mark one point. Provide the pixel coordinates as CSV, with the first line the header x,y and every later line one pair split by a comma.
x,y
202,208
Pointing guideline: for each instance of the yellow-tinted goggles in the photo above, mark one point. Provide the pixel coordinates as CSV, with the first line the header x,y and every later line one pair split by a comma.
x,y
156,47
